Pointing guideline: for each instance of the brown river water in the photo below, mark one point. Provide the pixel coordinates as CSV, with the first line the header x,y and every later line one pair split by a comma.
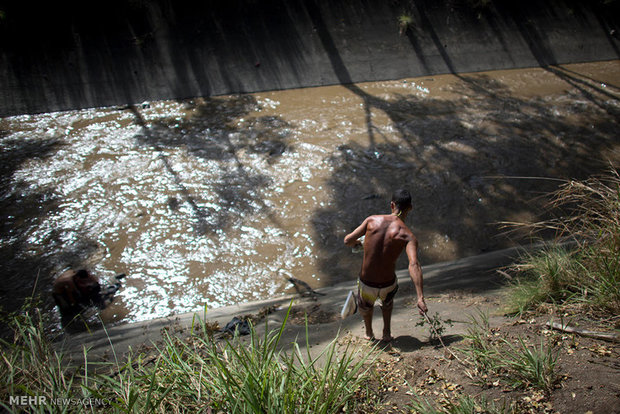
x,y
216,201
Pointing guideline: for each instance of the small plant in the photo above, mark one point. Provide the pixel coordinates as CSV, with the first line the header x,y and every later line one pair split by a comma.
x,y
463,404
517,364
481,352
405,22
535,366
436,325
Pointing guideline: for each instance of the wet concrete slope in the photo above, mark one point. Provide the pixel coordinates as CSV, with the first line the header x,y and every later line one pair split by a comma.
x,y
69,55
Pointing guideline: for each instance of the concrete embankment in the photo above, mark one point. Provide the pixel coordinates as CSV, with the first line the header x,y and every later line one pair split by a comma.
x,y
474,281
71,55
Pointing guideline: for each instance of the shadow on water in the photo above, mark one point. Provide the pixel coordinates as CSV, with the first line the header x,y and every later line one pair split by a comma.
x,y
213,132
462,159
28,261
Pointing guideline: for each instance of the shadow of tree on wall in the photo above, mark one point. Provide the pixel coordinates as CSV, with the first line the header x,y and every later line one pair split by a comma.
x,y
66,56
215,132
470,162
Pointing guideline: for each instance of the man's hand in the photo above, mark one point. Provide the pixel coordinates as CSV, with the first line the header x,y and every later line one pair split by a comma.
x,y
422,306
351,239
352,242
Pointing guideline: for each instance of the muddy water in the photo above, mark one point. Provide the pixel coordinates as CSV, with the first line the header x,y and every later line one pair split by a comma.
x,y
216,201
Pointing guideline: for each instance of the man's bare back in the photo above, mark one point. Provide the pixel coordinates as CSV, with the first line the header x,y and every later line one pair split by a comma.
x,y
386,237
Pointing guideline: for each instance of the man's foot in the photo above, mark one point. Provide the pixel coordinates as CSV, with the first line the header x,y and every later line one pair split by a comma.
x,y
387,339
370,337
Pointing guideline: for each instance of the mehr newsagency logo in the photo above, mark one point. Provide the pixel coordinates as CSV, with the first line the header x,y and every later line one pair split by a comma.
x,y
42,400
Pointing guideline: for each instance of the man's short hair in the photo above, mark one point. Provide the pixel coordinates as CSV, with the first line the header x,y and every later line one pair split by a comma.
x,y
402,199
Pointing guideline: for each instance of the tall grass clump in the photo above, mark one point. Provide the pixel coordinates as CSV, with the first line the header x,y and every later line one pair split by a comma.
x,y
480,352
588,274
239,376
193,373
548,276
526,366
30,366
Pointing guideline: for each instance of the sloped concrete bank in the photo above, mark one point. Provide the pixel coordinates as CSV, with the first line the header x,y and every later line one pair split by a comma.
x,y
69,55
475,275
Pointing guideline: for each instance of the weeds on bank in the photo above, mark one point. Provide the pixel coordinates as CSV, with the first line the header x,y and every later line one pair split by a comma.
x,y
515,363
30,366
492,360
589,274
545,277
197,373
464,404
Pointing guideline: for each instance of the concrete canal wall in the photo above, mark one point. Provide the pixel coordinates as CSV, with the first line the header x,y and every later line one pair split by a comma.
x,y
69,55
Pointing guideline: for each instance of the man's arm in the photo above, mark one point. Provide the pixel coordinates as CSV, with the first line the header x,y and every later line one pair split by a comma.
x,y
415,271
351,238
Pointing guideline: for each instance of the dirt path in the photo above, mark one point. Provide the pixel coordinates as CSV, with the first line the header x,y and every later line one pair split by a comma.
x,y
419,369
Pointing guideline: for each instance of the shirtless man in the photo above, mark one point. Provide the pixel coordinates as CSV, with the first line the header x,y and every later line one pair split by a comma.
x,y
74,291
385,238
77,290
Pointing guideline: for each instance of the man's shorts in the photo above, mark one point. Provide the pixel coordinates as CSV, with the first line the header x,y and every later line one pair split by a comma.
x,y
367,295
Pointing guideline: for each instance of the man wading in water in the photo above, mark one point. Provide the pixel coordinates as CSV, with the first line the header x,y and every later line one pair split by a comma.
x,y
385,238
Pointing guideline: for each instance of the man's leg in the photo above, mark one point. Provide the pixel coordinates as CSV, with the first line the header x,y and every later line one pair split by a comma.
x,y
387,306
386,310
365,304
367,316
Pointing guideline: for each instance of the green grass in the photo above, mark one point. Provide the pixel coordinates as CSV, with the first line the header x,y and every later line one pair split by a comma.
x,y
515,363
599,285
546,277
588,274
480,351
526,366
464,404
30,366
190,374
